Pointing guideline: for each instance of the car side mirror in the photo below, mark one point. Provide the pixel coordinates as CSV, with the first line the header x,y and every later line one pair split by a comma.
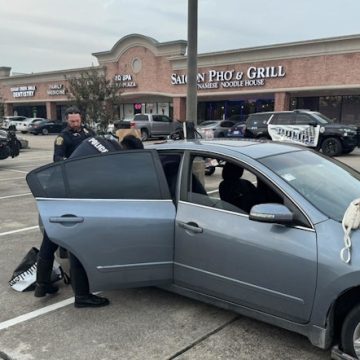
x,y
271,213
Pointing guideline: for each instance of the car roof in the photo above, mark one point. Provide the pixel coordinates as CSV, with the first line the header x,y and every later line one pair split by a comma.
x,y
251,148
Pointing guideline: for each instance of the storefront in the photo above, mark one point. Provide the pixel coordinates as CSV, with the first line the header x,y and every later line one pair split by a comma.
x,y
320,75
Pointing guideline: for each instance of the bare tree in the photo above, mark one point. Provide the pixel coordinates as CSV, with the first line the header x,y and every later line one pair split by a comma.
x,y
96,96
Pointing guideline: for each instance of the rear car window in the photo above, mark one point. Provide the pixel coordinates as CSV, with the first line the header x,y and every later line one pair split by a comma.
x,y
257,120
125,175
141,118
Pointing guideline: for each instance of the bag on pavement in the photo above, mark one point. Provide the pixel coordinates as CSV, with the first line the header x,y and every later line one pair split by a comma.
x,y
24,276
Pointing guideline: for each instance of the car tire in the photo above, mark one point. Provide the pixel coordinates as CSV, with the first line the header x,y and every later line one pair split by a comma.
x,y
331,147
350,332
144,134
23,132
45,131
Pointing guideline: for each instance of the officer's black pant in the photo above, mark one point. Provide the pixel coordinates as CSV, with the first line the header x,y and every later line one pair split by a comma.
x,y
79,280
47,249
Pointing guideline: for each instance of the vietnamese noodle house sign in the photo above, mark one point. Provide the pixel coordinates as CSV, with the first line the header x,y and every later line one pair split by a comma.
x,y
23,91
214,79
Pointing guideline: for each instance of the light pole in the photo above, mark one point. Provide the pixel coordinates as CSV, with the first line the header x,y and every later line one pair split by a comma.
x,y
191,99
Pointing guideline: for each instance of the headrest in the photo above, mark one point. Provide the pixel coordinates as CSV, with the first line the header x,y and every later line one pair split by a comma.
x,y
231,171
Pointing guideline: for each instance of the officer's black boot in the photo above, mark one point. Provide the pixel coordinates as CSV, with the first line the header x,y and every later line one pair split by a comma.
x,y
43,278
80,285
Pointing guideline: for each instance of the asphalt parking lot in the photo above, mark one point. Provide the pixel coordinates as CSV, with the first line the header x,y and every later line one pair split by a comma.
x,y
145,323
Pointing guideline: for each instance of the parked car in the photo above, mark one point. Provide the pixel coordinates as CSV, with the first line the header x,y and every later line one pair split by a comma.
x,y
46,127
214,128
154,125
13,121
24,126
236,131
23,143
269,246
303,127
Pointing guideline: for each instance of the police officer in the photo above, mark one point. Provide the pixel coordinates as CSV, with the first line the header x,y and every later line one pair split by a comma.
x,y
67,141
79,280
72,136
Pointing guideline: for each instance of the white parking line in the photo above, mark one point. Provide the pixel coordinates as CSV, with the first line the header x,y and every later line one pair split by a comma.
x,y
16,178
12,196
33,314
23,172
19,230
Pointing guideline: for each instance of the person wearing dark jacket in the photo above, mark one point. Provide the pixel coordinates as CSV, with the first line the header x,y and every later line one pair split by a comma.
x,y
67,141
72,136
79,280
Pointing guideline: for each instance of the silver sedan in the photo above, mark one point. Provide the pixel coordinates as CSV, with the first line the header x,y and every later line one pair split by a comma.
x,y
262,236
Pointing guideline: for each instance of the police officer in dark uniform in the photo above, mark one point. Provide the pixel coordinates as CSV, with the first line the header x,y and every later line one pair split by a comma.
x,y
72,136
67,141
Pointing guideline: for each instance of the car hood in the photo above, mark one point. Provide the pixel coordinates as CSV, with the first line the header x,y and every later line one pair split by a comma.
x,y
337,126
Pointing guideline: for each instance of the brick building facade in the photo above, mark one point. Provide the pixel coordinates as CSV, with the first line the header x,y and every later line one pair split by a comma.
x,y
322,75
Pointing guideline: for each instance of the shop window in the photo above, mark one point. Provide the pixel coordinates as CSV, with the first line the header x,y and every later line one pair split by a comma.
x,y
350,111
330,106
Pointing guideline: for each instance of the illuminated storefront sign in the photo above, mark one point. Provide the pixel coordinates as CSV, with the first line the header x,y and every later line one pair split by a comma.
x,y
56,89
214,79
125,81
23,91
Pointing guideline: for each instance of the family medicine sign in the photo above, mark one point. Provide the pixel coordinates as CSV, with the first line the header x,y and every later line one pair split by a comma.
x,y
213,79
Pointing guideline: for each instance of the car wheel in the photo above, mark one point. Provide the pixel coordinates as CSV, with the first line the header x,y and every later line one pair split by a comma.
x,y
23,132
209,170
350,333
45,131
331,147
144,134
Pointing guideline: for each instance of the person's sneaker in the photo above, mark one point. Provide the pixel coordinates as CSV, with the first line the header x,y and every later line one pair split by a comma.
x,y
90,301
42,289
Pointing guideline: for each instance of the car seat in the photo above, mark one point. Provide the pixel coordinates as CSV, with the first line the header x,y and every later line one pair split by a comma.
x,y
236,191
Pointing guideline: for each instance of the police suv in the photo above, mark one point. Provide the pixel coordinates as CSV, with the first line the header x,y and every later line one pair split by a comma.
x,y
303,127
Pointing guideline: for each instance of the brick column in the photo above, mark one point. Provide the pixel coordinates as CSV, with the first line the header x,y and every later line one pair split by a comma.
x,y
50,110
179,106
9,110
282,101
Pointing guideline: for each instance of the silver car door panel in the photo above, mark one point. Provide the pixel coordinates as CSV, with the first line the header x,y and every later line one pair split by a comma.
x,y
120,243
267,267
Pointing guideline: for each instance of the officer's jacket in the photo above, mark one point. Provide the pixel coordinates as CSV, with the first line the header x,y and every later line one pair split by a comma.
x,y
68,140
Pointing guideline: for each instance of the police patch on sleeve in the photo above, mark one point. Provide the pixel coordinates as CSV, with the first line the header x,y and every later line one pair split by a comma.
x,y
59,140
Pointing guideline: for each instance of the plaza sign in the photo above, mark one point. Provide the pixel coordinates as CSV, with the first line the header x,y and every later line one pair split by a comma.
x,y
125,81
214,79
23,91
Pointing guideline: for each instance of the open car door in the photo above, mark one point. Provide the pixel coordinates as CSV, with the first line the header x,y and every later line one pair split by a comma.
x,y
113,212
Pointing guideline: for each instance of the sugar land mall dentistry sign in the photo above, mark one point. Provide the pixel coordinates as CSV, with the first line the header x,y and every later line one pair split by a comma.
x,y
213,79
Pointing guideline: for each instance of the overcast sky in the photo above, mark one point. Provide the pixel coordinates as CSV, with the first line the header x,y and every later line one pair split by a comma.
x,y
46,35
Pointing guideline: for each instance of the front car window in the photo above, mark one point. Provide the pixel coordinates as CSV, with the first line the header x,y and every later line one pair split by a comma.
x,y
328,185
322,119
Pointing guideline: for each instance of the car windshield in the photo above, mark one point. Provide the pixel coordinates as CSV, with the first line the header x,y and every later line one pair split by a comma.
x,y
329,185
322,119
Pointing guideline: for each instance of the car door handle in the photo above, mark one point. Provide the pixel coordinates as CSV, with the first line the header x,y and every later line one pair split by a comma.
x,y
191,226
66,219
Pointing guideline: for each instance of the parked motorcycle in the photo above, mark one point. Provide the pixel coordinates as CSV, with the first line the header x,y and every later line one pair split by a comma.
x,y
9,144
